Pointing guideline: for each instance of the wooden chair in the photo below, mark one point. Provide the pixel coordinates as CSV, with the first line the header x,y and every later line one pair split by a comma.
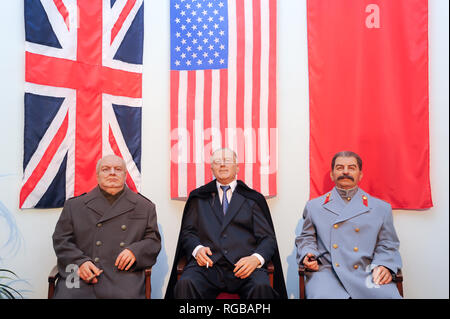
x,y
398,279
54,275
224,295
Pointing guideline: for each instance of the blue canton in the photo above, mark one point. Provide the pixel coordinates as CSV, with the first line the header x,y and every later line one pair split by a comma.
x,y
199,34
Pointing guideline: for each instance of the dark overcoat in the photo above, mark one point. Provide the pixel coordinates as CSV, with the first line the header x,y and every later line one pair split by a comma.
x,y
91,229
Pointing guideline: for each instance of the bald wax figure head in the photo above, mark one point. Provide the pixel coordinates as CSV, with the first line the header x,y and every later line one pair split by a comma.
x,y
111,174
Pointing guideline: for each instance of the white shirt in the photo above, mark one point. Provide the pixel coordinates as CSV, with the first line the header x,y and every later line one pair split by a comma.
x,y
229,194
230,190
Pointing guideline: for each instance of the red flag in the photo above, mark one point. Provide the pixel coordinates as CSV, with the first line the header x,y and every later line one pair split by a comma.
x,y
368,80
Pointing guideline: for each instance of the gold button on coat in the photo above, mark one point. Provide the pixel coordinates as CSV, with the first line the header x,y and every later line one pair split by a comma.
x,y
355,266
96,259
356,249
124,227
335,246
99,225
336,264
122,244
356,229
336,226
98,243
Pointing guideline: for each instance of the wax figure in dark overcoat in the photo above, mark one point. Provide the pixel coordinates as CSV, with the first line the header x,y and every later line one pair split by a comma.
x,y
228,237
106,238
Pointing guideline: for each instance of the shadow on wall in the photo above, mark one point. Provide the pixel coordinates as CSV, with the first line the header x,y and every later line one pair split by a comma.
x,y
159,270
13,240
10,236
292,271
10,243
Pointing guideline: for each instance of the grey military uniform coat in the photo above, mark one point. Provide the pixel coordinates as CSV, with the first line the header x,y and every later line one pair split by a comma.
x,y
90,228
352,238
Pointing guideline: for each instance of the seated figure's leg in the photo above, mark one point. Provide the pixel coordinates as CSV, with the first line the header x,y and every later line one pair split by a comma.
x,y
257,286
194,284
324,284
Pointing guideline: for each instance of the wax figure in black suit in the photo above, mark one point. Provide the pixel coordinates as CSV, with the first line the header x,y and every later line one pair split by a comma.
x,y
227,240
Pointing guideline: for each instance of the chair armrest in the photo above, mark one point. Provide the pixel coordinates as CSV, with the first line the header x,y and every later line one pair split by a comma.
x,y
398,279
53,275
180,266
270,271
148,284
301,270
398,276
270,267
301,281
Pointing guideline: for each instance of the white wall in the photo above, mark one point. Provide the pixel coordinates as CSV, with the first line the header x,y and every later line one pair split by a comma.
x,y
424,234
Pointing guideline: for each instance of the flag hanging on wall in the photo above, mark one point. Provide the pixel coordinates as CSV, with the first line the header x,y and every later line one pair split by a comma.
x,y
368,84
83,95
223,90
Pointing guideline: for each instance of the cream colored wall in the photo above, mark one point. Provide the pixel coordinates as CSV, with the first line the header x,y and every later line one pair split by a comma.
x,y
424,234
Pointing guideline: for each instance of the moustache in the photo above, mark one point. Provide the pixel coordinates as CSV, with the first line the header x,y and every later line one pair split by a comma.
x,y
346,176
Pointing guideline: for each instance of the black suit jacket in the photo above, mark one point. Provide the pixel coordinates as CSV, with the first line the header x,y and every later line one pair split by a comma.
x,y
246,228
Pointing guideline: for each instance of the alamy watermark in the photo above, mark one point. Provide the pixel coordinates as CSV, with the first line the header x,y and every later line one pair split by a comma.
x,y
73,279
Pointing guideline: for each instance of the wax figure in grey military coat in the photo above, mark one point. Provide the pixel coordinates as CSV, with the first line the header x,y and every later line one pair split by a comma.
x,y
350,236
92,231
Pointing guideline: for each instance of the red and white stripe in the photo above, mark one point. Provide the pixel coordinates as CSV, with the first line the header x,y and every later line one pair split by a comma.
x,y
233,107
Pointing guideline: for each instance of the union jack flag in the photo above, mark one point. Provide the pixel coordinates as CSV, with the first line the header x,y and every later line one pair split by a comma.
x,y
83,95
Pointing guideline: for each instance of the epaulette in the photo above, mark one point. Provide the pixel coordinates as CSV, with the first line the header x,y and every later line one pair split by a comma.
x,y
364,199
327,198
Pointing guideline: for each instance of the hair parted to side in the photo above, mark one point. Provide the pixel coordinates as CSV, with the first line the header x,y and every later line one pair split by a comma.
x,y
347,154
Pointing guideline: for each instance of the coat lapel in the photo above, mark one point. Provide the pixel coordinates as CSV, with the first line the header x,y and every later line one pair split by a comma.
x,y
236,202
335,204
96,202
123,204
216,207
355,207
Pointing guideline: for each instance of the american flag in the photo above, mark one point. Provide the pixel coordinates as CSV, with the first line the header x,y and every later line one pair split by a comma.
x,y
83,95
223,90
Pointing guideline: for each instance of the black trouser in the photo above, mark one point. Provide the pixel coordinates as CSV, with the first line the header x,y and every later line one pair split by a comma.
x,y
206,283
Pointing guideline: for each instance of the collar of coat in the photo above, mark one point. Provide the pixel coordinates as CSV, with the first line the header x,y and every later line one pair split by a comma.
x,y
357,205
97,202
206,190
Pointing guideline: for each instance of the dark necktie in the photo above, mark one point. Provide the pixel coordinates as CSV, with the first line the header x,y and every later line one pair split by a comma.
x,y
224,198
